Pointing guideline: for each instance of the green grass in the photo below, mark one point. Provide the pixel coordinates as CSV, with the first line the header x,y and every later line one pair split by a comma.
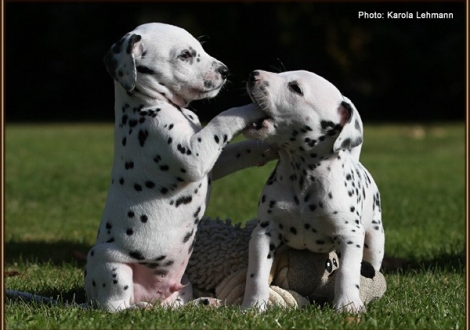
x,y
56,179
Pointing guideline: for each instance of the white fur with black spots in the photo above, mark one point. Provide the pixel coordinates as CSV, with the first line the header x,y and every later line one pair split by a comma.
x,y
163,158
319,197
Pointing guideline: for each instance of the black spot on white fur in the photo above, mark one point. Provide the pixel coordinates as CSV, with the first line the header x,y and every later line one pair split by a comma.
x,y
327,188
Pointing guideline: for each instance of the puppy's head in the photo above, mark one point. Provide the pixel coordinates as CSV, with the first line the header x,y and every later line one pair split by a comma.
x,y
159,59
304,111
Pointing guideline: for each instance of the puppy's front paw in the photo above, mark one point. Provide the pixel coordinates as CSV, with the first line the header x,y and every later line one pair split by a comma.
x,y
355,306
255,305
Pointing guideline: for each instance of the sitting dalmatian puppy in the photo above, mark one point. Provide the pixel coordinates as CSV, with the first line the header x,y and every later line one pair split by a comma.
x,y
319,197
161,179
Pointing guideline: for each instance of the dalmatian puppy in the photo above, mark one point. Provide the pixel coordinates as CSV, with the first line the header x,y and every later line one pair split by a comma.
x,y
319,197
161,178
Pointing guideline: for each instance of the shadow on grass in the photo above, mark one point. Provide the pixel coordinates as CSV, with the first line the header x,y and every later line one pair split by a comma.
x,y
46,253
444,262
55,253
74,296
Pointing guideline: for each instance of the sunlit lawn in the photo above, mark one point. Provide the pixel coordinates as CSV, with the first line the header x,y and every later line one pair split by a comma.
x,y
56,185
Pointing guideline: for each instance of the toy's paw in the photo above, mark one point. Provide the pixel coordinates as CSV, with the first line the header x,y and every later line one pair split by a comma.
x,y
141,305
286,298
207,301
343,305
232,288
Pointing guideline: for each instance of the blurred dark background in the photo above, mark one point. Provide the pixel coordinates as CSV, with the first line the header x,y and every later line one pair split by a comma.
x,y
409,70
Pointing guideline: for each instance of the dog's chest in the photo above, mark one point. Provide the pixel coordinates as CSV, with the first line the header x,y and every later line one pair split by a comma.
x,y
151,206
308,209
139,130
149,145
300,220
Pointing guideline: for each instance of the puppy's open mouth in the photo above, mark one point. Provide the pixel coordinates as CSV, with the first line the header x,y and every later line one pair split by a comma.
x,y
261,126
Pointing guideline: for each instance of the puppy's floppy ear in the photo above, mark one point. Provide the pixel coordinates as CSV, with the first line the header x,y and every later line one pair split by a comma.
x,y
120,60
351,135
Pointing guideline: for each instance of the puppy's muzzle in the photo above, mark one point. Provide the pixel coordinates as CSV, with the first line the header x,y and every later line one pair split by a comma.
x,y
253,77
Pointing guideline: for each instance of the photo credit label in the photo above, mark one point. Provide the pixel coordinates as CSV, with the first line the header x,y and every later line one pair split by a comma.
x,y
404,15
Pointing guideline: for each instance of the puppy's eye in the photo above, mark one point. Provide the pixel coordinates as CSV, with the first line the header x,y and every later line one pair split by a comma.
x,y
185,54
295,88
328,266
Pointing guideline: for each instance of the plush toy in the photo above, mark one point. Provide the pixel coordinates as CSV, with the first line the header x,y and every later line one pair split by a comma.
x,y
219,263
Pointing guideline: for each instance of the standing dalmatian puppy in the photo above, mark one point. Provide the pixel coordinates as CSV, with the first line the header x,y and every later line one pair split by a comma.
x,y
161,179
319,197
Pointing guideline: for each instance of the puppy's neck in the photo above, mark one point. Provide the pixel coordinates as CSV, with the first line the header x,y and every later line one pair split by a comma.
x,y
144,97
159,92
301,168
305,156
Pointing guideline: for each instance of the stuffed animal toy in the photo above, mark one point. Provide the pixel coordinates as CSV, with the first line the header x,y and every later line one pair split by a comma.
x,y
217,270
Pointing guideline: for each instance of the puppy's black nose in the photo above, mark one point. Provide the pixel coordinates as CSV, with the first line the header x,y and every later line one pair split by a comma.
x,y
223,70
253,76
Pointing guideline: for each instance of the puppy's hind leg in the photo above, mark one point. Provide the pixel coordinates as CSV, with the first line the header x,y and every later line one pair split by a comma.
x,y
108,284
374,245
